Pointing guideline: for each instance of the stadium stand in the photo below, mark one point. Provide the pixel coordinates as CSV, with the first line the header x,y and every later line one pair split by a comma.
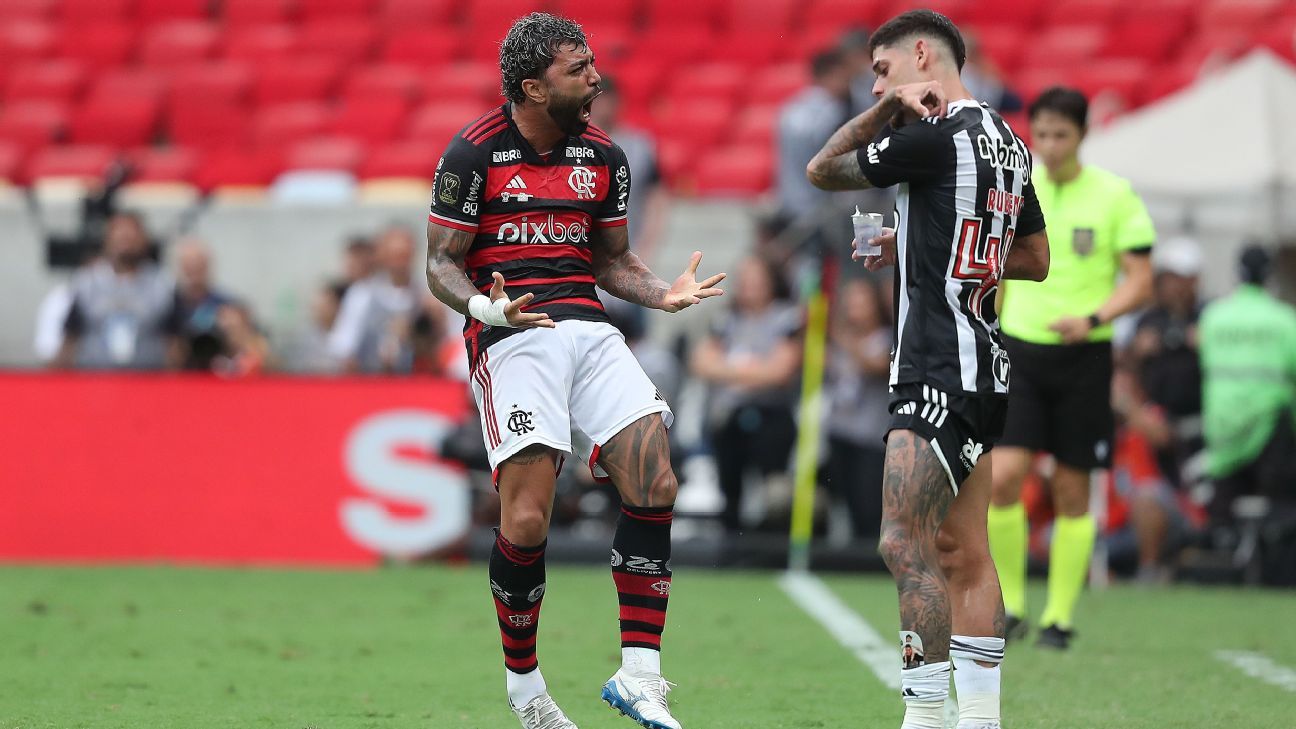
x,y
187,77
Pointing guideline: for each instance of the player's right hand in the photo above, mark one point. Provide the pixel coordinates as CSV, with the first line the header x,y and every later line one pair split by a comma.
x,y
513,310
888,258
920,100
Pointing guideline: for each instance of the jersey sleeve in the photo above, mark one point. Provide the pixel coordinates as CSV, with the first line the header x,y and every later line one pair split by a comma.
x,y
1133,225
460,178
916,152
1031,220
615,209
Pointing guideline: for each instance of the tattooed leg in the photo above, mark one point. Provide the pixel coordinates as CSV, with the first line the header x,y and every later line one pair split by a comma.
x,y
526,488
916,496
638,461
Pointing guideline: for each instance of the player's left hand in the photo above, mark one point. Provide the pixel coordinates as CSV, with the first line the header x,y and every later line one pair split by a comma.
x,y
1074,329
888,258
687,291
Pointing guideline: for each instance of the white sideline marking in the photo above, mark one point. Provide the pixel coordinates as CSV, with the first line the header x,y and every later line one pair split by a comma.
x,y
1260,667
845,625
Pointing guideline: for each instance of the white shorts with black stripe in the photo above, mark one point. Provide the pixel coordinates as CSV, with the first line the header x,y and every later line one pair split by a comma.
x,y
960,428
571,388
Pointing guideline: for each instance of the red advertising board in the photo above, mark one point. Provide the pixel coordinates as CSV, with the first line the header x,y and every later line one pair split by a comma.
x,y
205,470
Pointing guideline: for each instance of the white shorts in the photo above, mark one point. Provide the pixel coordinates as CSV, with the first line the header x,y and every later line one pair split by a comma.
x,y
571,388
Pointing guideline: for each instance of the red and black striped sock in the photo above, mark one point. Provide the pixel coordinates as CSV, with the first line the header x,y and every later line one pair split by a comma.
x,y
641,570
517,577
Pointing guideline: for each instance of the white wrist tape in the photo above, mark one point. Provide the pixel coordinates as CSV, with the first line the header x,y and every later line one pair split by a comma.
x,y
488,312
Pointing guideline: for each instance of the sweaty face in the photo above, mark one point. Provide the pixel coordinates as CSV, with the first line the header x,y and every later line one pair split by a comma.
x,y
1055,138
572,84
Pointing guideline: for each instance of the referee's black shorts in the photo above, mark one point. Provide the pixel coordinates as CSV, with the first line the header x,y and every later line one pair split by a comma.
x,y
1059,401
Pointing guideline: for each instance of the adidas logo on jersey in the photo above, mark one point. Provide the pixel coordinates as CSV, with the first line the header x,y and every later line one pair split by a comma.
x,y
511,190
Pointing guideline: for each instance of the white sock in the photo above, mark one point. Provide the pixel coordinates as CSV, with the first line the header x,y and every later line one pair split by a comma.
x,y
924,690
523,687
977,685
641,660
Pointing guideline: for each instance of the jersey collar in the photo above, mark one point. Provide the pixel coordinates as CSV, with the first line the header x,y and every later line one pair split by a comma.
x,y
528,152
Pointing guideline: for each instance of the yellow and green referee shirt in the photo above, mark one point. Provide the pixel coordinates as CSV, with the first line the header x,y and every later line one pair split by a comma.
x,y
1092,220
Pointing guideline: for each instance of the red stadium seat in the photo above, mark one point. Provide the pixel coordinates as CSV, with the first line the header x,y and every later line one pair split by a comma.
x,y
1141,40
415,46
11,159
360,10
716,81
674,48
163,164
601,12
743,16
371,121
1080,12
1171,78
1124,77
120,122
1003,45
223,83
466,81
257,12
489,20
16,10
151,12
703,121
280,124
397,14
383,82
757,125
33,124
665,16
777,83
58,80
956,10
437,122
637,80
94,12
326,153
611,42
843,14
262,43
1061,46
753,48
1244,15
1280,37
301,79
735,171
179,41
208,125
238,167
89,162
402,159
346,40
131,83
99,45
1021,14
25,40
675,157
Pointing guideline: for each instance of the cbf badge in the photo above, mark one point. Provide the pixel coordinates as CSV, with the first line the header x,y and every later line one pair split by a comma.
x,y
1082,241
449,188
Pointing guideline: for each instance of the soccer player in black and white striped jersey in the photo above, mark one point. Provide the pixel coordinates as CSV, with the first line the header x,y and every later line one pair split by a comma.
x,y
967,217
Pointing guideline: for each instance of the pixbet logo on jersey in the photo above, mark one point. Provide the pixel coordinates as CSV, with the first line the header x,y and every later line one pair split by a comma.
x,y
549,230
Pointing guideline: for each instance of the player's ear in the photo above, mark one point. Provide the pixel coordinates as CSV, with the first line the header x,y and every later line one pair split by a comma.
x,y
535,90
922,54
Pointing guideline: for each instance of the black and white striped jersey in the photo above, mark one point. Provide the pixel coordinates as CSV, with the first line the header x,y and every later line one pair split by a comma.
x,y
965,192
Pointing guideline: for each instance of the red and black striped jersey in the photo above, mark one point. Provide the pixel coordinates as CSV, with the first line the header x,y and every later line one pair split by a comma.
x,y
531,215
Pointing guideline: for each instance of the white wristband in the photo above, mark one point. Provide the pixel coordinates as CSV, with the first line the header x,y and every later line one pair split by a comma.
x,y
488,312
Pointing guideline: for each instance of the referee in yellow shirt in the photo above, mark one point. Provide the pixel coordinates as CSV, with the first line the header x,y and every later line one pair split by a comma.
x,y
1058,336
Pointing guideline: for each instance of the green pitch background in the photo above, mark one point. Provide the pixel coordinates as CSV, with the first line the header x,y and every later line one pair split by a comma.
x,y
417,647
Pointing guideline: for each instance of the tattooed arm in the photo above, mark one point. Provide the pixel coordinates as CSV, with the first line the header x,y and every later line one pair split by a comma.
x,y
836,166
621,273
447,249
1029,258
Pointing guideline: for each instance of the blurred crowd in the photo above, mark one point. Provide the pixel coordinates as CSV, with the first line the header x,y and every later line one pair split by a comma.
x,y
138,305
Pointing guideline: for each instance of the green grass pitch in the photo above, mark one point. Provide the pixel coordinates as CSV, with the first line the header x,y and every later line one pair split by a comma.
x,y
150,647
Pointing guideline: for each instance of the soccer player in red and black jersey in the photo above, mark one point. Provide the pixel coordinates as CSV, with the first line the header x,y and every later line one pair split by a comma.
x,y
528,214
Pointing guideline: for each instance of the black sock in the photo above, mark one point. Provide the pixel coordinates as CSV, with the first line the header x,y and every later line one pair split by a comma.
x,y
517,576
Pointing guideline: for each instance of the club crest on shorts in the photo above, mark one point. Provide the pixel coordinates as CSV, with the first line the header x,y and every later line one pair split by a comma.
x,y
1082,241
519,421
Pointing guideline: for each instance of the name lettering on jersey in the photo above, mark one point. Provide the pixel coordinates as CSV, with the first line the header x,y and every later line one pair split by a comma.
x,y
514,190
548,230
1001,154
1002,201
580,152
623,187
877,147
582,181
506,155
449,188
